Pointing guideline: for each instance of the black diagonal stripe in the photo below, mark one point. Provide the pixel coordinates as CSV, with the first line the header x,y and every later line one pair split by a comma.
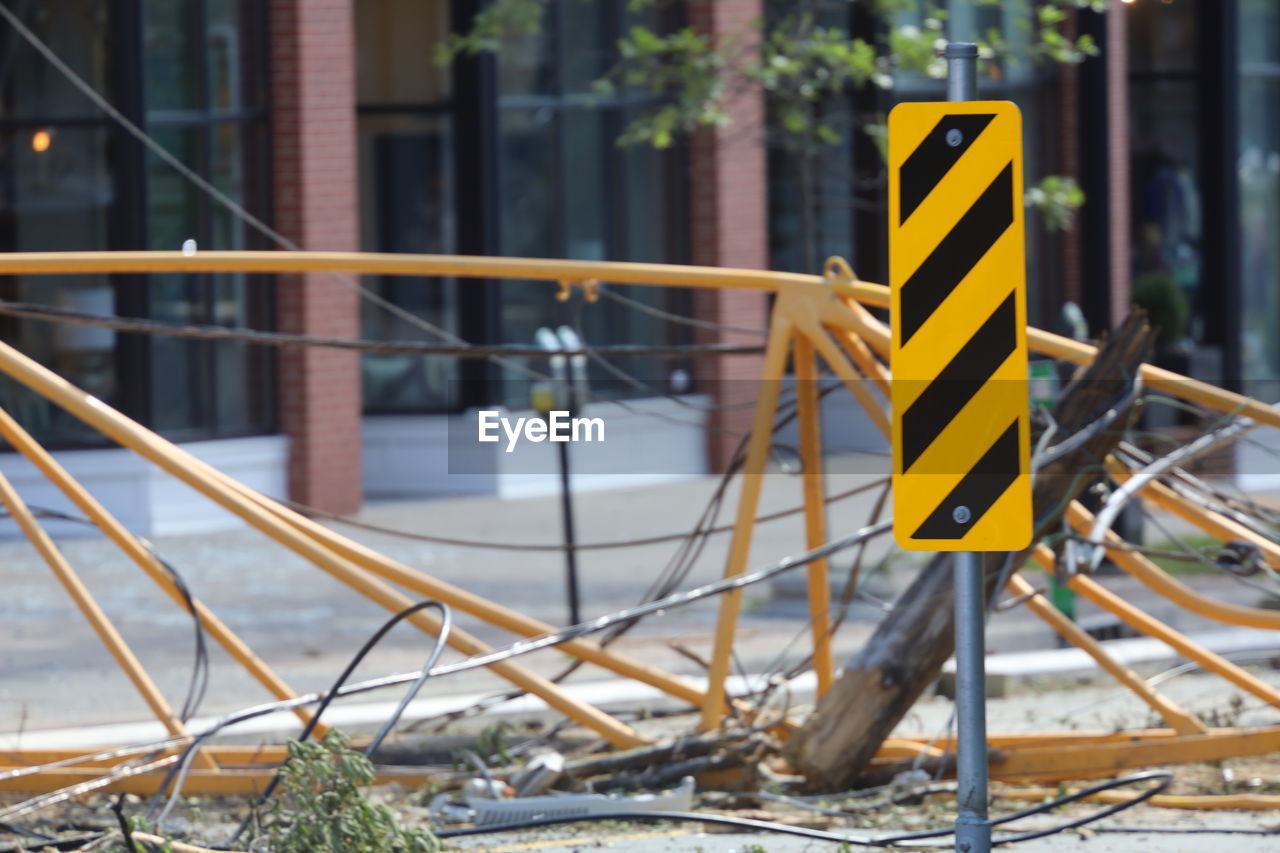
x,y
956,384
957,253
990,478
934,157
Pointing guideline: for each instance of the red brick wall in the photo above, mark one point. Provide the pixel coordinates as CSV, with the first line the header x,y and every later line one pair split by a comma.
x,y
314,158
729,221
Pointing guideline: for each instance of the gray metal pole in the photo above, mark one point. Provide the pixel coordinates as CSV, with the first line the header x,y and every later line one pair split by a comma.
x,y
962,71
973,830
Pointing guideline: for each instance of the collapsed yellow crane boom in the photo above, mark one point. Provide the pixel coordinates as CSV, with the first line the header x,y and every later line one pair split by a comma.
x,y
813,316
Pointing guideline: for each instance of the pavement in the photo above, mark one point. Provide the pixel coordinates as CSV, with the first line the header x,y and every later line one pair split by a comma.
x,y
306,624
59,686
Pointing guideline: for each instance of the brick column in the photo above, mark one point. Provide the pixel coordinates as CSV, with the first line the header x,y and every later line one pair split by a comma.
x,y
729,222
315,183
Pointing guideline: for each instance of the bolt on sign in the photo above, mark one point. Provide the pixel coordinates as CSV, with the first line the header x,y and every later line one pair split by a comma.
x,y
957,274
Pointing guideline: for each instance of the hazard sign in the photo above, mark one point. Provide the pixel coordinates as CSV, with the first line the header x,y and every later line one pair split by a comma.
x,y
957,273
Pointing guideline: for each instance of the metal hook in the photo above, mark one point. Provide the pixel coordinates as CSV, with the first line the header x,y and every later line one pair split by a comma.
x,y
590,289
837,270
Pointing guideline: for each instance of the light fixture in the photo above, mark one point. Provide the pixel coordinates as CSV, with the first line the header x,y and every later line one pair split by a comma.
x,y
41,140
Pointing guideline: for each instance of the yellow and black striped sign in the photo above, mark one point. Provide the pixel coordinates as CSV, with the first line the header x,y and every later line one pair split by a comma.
x,y
957,271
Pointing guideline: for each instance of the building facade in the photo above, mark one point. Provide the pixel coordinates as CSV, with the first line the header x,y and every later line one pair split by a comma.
x,y
330,125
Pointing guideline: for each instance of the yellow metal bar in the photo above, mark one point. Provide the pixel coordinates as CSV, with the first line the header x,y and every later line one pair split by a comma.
x,y
1021,740
866,361
197,781
1185,646
849,315
1143,622
226,754
854,381
376,263
815,507
1215,524
1080,761
464,600
775,363
661,275
89,607
129,544
187,468
1047,343
1195,802
1171,588
1056,756
1179,719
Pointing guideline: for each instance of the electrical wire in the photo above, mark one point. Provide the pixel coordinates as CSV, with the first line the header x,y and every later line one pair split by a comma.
x,y
676,318
1161,780
526,547
441,639
1048,455
516,649
461,349
231,205
198,686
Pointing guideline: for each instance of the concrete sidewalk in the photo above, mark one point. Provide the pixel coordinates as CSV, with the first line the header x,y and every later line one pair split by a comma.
x,y
307,625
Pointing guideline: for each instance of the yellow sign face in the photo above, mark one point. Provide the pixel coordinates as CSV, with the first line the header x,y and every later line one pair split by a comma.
x,y
957,272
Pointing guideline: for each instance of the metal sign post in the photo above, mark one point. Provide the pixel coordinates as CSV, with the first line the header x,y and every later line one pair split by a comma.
x,y
973,826
961,420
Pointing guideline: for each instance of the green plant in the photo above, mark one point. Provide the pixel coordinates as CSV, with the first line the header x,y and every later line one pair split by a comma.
x,y
321,806
1057,198
1166,306
491,743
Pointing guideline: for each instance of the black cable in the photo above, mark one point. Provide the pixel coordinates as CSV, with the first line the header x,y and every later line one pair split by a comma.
x,y
676,318
516,649
73,843
525,547
198,687
325,700
48,314
522,647
446,626
1162,778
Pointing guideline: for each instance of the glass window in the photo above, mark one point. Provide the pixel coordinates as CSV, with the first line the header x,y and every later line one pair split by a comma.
x,y
1165,196
174,78
204,81
1259,171
58,194
567,189
406,193
76,30
72,179
570,191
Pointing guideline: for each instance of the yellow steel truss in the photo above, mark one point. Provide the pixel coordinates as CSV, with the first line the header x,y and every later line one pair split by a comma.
x,y
813,317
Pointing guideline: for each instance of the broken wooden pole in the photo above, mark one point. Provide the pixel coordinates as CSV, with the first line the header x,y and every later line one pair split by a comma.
x,y
906,652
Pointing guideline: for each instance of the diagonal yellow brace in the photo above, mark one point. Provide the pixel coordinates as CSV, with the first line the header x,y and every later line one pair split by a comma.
x,y
91,610
809,415
1143,622
188,469
136,551
1216,525
1180,720
775,363
1170,587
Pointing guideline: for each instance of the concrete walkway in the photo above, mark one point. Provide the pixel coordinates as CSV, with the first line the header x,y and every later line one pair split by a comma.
x,y
306,624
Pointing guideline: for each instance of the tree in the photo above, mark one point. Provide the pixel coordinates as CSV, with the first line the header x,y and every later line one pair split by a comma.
x,y
808,63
